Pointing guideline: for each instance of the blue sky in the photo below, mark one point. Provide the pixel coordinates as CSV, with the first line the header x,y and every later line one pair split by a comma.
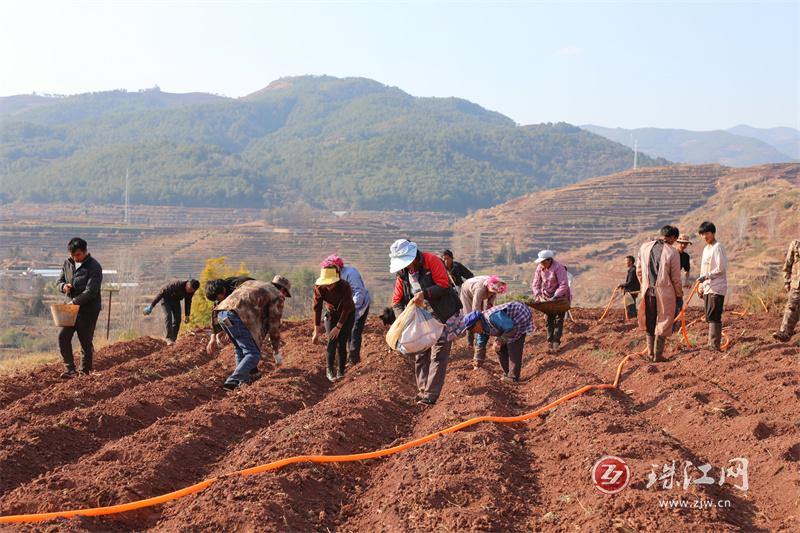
x,y
695,65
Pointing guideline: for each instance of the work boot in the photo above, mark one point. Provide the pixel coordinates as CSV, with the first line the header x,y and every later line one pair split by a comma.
x,y
651,342
68,374
330,375
658,349
714,336
780,336
479,356
339,375
554,347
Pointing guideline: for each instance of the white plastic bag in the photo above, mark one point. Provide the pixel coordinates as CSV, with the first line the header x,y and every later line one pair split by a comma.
x,y
421,331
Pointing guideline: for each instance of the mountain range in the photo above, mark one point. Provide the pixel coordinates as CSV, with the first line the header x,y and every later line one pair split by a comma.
x,y
740,146
335,143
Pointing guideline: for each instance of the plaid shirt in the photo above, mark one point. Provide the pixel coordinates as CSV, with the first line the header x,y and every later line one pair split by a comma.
x,y
259,305
519,313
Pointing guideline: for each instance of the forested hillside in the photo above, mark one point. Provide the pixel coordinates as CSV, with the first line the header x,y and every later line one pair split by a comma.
x,y
337,143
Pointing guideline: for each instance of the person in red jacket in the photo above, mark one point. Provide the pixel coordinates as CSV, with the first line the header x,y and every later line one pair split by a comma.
x,y
422,280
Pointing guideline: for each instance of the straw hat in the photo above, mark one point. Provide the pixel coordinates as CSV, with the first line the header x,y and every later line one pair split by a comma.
x,y
327,276
684,239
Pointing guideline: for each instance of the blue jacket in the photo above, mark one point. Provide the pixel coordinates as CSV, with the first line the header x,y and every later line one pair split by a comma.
x,y
361,297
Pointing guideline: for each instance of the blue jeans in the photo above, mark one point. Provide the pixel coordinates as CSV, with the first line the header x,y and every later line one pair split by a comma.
x,y
247,353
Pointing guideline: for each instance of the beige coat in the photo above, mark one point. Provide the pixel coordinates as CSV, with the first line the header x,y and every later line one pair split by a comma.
x,y
668,286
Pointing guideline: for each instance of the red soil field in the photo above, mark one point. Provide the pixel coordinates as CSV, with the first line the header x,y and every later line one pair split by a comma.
x,y
154,419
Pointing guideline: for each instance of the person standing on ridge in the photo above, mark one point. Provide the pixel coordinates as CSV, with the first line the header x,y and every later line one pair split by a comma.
x,y
81,278
713,282
422,279
551,292
455,270
631,287
792,287
659,270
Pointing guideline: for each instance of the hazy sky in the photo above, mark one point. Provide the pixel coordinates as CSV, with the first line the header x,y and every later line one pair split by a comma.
x,y
696,65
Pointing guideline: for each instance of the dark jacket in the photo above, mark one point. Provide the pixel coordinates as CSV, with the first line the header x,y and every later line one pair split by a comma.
x,y
632,281
232,283
175,292
85,281
337,297
459,273
435,284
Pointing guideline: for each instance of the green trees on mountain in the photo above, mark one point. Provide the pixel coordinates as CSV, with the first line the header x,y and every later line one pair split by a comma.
x,y
334,143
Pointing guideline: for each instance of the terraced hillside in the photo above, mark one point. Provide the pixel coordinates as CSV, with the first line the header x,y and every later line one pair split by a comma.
x,y
154,419
594,210
594,224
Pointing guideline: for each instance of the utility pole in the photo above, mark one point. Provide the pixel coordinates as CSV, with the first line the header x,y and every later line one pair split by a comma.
x,y
127,217
635,153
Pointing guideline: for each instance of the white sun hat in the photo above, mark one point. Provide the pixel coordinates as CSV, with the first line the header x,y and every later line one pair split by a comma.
x,y
401,254
545,254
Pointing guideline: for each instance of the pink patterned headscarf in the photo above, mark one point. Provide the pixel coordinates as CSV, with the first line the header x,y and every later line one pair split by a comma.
x,y
495,284
332,261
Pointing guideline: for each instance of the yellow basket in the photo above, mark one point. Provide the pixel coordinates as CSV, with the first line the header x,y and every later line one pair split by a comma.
x,y
64,315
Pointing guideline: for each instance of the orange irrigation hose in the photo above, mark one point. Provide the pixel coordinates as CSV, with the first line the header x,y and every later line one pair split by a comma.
x,y
763,304
682,314
149,502
613,294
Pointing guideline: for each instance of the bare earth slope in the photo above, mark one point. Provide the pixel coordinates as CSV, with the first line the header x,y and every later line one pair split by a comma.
x,y
154,419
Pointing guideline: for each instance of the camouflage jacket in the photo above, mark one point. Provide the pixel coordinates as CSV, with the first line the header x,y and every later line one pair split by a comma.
x,y
260,306
792,259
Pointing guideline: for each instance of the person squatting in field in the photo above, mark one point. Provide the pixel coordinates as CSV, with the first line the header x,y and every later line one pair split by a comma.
x,y
510,323
250,313
659,271
479,294
361,300
81,278
422,279
170,297
792,287
337,324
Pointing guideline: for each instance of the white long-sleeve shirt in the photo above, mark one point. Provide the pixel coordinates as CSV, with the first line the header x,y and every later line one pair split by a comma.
x,y
714,266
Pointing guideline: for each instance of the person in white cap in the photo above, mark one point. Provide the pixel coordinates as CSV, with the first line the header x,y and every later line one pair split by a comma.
x,y
551,284
422,280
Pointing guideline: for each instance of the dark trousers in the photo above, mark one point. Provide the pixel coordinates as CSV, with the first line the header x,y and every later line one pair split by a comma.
x,y
339,344
84,327
354,346
713,304
172,317
555,326
678,308
650,311
510,356
430,368
630,305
